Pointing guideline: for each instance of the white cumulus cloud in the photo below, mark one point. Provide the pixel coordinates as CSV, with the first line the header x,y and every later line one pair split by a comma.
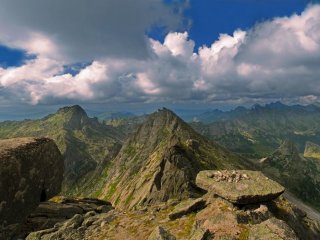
x,y
275,60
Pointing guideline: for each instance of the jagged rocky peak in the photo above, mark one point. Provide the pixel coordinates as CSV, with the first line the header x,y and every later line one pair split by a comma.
x,y
74,116
160,161
288,148
159,126
165,117
75,109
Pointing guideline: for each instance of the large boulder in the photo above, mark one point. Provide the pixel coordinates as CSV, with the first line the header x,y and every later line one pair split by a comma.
x,y
239,187
31,171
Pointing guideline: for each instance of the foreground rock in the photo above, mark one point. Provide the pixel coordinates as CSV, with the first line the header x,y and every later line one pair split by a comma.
x,y
216,219
239,187
31,170
67,218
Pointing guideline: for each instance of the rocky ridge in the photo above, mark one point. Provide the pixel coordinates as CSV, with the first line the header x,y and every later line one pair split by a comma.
x,y
160,161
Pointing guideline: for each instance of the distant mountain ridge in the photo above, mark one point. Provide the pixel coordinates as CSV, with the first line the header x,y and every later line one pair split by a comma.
x,y
240,111
255,132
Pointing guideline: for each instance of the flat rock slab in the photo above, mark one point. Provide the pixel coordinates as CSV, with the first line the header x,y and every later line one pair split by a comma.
x,y
239,187
186,207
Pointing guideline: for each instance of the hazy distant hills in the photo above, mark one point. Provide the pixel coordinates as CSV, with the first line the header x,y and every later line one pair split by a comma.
x,y
84,142
257,131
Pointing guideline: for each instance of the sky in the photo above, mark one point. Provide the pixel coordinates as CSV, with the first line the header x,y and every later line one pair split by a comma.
x,y
142,53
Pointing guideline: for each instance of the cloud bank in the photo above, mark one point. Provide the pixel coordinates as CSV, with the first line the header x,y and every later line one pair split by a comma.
x,y
82,30
275,60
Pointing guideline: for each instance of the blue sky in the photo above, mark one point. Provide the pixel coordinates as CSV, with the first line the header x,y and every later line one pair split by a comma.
x,y
209,18
123,54
213,17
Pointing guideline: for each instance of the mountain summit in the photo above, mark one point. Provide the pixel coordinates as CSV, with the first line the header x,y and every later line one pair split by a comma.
x,y
160,161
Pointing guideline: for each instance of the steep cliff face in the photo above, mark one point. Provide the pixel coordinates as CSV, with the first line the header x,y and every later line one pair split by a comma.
x,y
160,161
31,170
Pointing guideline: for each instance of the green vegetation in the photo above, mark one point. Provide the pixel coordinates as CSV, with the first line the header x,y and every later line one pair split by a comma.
x,y
256,132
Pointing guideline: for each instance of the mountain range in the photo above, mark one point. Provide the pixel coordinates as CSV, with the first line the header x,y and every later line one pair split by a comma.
x,y
256,132
140,162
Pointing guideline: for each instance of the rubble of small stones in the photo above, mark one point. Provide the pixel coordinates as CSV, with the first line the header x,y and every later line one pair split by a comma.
x,y
233,176
239,187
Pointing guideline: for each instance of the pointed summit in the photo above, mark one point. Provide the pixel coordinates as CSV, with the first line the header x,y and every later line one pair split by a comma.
x,y
161,124
74,110
74,117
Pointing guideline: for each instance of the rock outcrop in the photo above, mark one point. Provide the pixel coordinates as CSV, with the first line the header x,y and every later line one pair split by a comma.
x,y
247,205
67,218
239,187
206,218
31,171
